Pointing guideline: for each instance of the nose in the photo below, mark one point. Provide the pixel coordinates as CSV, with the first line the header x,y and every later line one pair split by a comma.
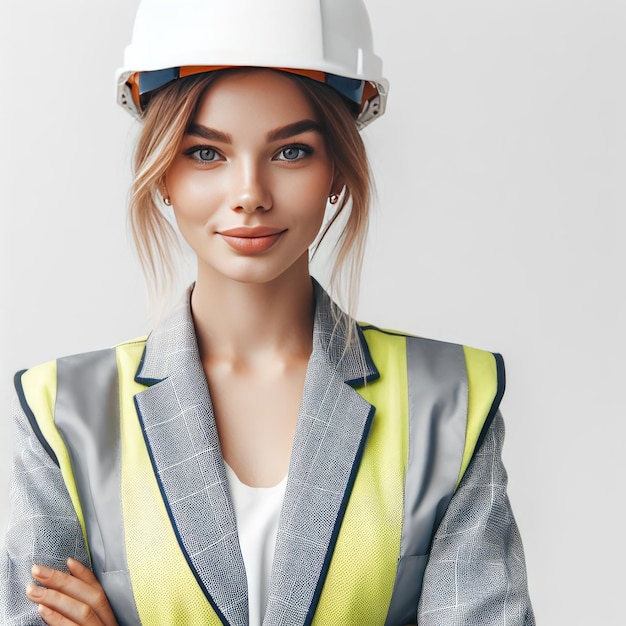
x,y
250,189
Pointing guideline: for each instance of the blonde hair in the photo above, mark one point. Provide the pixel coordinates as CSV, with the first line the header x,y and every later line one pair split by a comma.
x,y
166,118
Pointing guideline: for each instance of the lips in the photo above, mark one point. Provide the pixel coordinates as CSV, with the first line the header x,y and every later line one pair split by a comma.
x,y
248,240
251,232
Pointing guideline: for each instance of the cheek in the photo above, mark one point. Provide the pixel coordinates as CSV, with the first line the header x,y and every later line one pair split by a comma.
x,y
316,194
307,194
192,192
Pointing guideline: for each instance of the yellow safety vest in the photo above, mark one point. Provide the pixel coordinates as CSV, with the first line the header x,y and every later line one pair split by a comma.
x,y
430,404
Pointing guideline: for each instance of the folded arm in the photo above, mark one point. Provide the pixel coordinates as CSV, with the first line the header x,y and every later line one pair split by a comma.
x,y
476,574
43,527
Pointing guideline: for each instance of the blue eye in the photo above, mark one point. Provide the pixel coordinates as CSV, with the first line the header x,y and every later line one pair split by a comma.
x,y
206,155
293,153
203,154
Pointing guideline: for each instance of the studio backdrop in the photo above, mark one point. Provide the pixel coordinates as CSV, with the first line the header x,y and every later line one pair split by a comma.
x,y
499,223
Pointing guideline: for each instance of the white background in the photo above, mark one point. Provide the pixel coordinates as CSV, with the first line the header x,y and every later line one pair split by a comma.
x,y
500,170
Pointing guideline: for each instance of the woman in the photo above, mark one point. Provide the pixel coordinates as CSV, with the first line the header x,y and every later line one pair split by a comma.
x,y
260,458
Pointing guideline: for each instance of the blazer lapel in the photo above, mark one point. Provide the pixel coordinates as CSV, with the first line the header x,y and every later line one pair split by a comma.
x,y
181,435
332,429
179,428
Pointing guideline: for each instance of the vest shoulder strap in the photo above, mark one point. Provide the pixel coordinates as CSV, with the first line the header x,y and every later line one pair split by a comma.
x,y
452,394
486,384
443,368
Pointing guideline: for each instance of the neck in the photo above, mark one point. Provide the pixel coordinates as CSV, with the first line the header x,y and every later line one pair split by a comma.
x,y
244,322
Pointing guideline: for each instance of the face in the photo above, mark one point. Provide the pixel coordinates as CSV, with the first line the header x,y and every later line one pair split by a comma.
x,y
251,178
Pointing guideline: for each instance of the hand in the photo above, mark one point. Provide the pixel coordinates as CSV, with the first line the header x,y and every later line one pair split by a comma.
x,y
70,600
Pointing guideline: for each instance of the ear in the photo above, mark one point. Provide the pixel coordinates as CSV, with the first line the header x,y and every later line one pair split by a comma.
x,y
338,184
162,188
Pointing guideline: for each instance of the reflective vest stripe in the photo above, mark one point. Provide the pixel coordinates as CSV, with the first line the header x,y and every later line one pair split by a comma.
x,y
437,424
471,382
87,415
437,410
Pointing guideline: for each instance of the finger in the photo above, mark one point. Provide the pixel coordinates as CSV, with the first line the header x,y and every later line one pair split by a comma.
x,y
78,570
58,608
52,618
65,583
84,588
101,606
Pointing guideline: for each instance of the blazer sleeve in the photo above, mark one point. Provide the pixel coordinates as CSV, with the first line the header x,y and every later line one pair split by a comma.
x,y
476,574
43,527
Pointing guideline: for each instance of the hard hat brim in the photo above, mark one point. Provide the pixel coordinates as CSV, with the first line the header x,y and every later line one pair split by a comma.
x,y
135,88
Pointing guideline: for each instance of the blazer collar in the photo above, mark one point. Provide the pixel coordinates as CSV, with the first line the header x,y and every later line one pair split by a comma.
x,y
180,432
173,347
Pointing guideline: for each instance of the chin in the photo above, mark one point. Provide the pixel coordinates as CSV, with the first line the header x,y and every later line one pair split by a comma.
x,y
258,271
251,275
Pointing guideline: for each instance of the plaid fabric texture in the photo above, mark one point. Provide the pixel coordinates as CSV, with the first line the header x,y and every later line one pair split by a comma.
x,y
43,527
476,575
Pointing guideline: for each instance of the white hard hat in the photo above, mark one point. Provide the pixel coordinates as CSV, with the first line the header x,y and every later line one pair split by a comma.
x,y
327,40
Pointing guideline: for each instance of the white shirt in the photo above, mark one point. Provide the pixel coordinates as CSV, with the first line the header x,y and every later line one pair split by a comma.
x,y
257,510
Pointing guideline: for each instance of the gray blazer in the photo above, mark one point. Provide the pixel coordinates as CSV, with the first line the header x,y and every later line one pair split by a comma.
x,y
475,574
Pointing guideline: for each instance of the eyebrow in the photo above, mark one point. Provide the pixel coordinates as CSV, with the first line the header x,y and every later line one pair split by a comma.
x,y
208,133
284,132
304,126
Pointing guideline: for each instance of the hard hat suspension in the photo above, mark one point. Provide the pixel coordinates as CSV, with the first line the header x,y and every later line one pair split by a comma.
x,y
143,84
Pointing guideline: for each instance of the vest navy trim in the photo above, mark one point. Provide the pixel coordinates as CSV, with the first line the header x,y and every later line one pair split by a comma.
x,y
31,417
501,375
342,509
367,355
148,382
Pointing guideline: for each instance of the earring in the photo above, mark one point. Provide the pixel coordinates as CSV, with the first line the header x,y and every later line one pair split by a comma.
x,y
333,198
167,201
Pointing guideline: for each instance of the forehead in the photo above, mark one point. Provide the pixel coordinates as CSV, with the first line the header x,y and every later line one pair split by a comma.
x,y
253,98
